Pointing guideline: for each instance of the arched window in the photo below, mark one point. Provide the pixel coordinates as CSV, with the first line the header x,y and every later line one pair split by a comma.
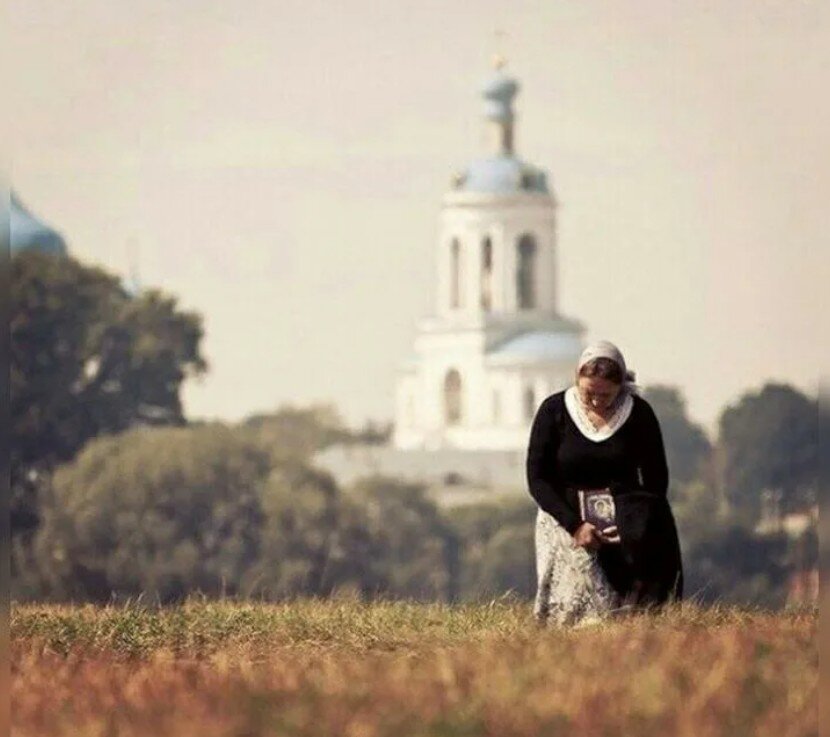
x,y
452,397
455,274
526,273
486,274
530,403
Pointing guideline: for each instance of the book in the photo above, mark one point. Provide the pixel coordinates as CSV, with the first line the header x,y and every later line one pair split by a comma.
x,y
597,507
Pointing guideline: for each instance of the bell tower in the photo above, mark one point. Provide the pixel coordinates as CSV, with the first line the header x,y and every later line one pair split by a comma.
x,y
496,249
495,344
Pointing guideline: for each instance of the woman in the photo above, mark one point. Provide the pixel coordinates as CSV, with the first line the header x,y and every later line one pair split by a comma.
x,y
600,434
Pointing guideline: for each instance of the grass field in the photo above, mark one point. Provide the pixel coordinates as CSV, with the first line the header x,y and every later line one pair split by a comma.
x,y
319,668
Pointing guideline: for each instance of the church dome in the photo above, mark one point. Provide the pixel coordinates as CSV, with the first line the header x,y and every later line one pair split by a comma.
x,y
501,172
498,93
27,233
538,346
502,175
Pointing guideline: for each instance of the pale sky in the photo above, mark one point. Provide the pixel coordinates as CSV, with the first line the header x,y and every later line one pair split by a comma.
x,y
279,166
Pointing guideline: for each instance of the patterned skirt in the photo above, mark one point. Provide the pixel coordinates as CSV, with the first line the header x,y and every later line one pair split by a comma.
x,y
572,587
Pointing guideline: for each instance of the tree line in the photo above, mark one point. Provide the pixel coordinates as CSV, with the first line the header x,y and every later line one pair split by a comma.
x,y
115,493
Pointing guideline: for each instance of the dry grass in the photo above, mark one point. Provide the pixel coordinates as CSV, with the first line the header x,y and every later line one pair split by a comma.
x,y
364,670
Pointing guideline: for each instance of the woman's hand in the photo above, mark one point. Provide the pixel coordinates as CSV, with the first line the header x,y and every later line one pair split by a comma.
x,y
587,536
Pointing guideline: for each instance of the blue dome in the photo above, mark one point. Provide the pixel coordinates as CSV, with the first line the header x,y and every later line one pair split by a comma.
x,y
502,175
498,97
27,233
538,346
500,87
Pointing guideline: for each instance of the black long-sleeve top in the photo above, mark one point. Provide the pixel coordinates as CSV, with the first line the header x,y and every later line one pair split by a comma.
x,y
560,459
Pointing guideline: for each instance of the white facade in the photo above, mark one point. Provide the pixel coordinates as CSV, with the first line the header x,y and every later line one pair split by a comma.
x,y
495,345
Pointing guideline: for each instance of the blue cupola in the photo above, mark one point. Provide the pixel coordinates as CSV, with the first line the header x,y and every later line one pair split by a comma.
x,y
498,93
28,233
501,172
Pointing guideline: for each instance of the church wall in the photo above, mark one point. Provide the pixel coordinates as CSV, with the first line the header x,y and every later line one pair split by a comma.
x,y
511,384
504,223
479,426
406,402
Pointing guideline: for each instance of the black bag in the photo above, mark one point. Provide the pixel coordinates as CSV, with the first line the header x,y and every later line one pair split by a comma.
x,y
649,550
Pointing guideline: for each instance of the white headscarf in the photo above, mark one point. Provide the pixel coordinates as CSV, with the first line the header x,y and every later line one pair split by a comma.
x,y
606,349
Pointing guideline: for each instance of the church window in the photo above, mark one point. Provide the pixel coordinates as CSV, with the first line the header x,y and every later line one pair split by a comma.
x,y
487,274
526,273
530,403
452,397
455,274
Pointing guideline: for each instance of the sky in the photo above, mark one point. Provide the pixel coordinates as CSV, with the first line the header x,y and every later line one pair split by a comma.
x,y
279,166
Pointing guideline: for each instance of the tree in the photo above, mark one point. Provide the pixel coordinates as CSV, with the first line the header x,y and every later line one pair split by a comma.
x,y
508,562
769,440
698,512
160,511
314,540
687,447
415,551
496,540
730,564
296,433
87,359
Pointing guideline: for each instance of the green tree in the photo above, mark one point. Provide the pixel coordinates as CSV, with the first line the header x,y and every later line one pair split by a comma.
x,y
415,551
698,512
508,563
496,542
155,510
728,563
314,540
87,358
769,440
687,447
296,433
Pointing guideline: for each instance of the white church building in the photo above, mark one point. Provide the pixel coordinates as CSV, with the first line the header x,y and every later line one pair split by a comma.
x,y
496,344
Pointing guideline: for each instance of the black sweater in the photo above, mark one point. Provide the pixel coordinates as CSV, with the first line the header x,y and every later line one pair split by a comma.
x,y
560,459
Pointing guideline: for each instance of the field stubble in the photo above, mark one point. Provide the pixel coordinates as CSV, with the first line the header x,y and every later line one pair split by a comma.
x,y
351,669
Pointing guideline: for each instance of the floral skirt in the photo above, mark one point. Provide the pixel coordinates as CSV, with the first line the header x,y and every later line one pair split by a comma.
x,y
572,587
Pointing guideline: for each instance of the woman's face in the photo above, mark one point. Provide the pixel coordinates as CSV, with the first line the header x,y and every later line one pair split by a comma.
x,y
597,393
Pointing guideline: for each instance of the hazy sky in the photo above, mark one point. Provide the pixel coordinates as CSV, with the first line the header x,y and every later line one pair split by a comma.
x,y
280,165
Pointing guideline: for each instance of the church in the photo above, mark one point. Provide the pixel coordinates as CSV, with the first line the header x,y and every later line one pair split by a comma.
x,y
496,344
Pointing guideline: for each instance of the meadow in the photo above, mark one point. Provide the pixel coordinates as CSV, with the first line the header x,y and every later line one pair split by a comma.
x,y
343,667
